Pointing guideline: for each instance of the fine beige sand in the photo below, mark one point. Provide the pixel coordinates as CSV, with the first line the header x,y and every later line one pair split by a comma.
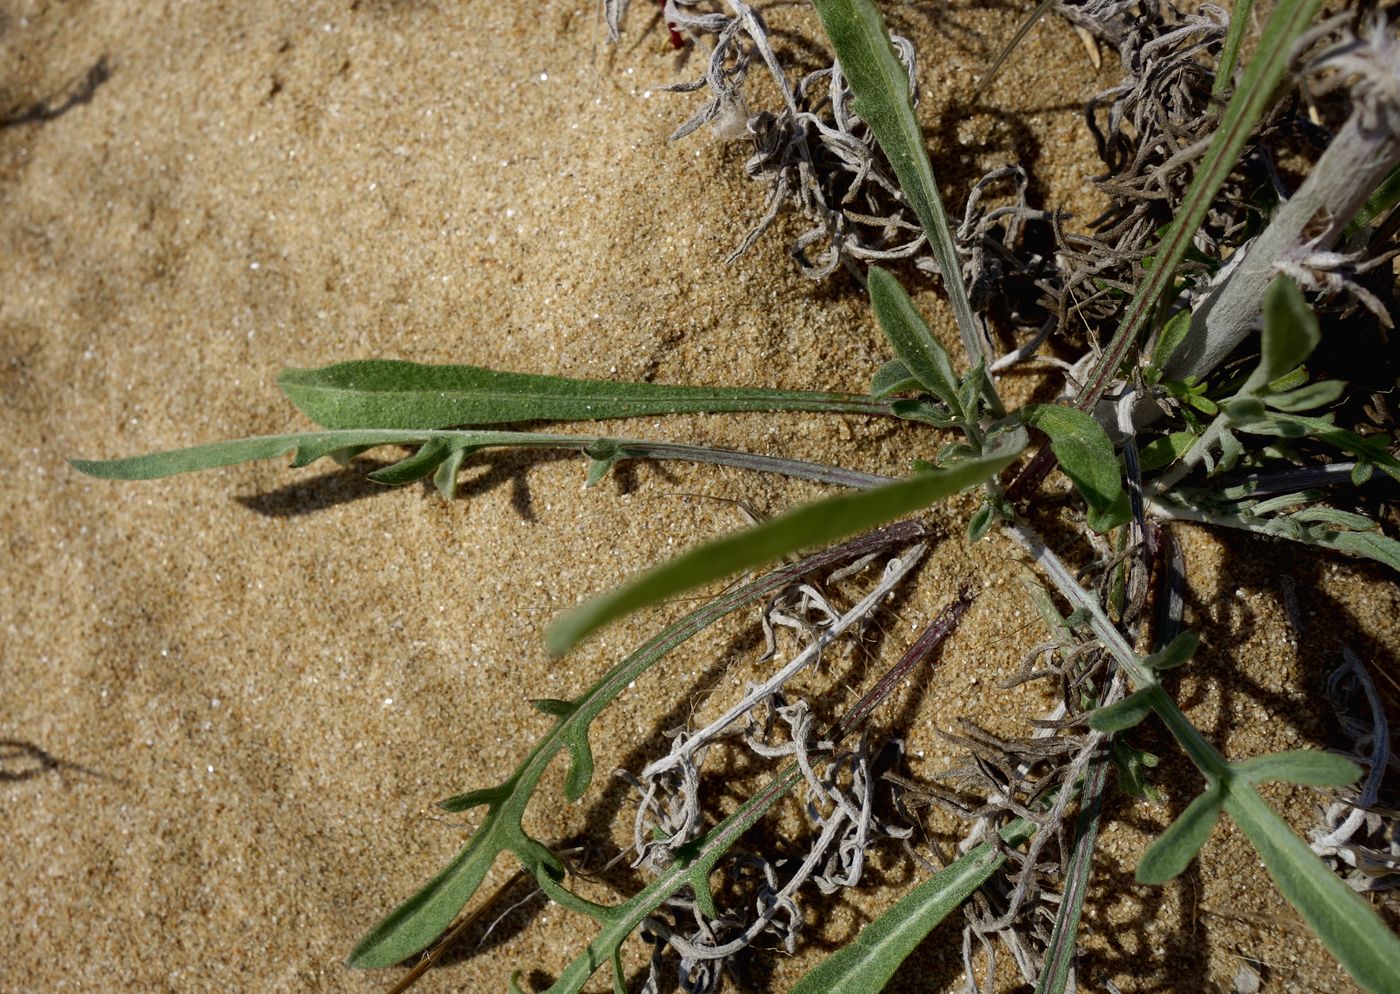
x,y
228,702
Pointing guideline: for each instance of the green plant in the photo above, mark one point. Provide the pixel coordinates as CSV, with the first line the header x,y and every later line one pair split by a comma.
x,y
1153,366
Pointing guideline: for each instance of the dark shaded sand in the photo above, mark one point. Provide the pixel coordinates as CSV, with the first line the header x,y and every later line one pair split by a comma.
x,y
229,701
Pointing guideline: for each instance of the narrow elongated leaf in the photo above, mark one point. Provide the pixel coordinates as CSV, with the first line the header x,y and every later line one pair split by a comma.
x,y
1290,334
808,526
1346,924
865,965
1178,845
1230,51
385,393
1304,766
1366,449
445,450
920,352
1087,458
1344,520
1386,196
882,99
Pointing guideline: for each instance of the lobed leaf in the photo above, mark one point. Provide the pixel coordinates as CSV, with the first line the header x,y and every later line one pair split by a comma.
x,y
442,453
387,393
695,862
415,923
807,526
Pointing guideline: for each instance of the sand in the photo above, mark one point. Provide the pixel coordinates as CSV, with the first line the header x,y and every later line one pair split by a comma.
x,y
228,702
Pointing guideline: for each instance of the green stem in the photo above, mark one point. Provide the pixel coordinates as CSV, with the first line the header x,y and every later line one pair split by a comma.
x,y
1230,53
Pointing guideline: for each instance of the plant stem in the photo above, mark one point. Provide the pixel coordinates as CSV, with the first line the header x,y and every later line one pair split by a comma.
x,y
1230,52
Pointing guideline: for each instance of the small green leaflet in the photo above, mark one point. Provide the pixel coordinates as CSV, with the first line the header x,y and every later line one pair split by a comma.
x,y
1290,334
918,350
1124,714
892,377
1178,845
1087,458
385,393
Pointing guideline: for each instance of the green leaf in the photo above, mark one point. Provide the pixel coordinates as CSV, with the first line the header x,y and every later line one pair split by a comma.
x,y
880,84
1170,337
1349,928
1386,196
1306,398
1344,520
892,377
602,457
1124,714
1087,458
925,412
1178,845
1165,450
445,476
307,447
1303,766
1176,652
430,455
808,526
1230,51
865,965
1132,764
1244,409
915,345
979,523
1290,334
385,393
1372,545
420,919
968,388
